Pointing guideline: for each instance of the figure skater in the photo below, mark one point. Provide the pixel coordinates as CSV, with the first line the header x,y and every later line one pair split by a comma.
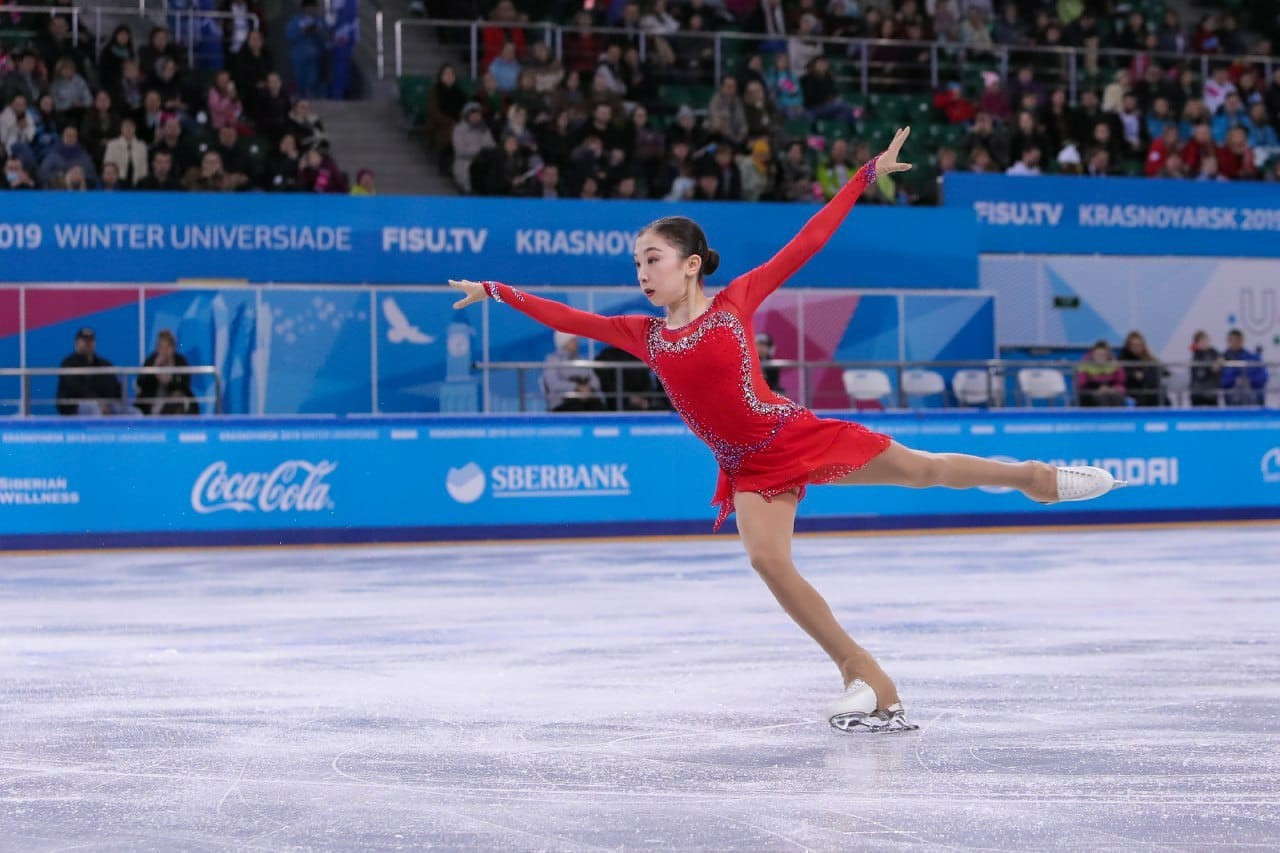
x,y
768,447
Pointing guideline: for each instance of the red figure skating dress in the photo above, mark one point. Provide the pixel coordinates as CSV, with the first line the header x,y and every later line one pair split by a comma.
x,y
709,368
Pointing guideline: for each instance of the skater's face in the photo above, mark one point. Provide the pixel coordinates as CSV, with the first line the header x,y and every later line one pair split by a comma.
x,y
664,274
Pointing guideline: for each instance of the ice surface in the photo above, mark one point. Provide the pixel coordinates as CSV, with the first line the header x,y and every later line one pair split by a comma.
x,y
1080,690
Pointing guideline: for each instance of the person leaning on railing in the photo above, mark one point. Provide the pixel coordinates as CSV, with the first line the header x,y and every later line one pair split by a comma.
x,y
88,394
165,393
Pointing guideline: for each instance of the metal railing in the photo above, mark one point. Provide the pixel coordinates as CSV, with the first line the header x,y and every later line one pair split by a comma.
x,y
990,383
869,67
25,401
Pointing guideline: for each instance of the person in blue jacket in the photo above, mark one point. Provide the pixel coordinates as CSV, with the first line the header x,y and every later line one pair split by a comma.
x,y
308,38
1245,385
345,23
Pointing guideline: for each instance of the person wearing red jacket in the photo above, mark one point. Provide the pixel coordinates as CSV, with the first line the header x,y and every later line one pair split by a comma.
x,y
1161,149
769,448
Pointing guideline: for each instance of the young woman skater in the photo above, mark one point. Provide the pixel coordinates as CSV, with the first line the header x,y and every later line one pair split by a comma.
x,y
768,447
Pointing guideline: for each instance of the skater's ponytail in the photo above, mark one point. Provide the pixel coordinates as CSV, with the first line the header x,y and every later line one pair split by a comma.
x,y
686,235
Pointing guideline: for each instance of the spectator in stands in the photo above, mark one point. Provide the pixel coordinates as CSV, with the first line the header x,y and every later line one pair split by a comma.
x,y
152,117
128,92
236,159
345,17
555,138
1026,134
308,37
758,172
159,47
1100,164
88,394
64,155
1262,136
994,101
98,125
569,388
1272,98
505,68
320,174
57,43
250,66
1161,150
169,85
306,125
165,393
1229,36
836,169
270,107
160,175
1025,83
984,134
223,102
500,30
763,118
546,183
1206,371
547,70
1100,380
795,179
1069,160
1158,117
821,96
784,86
1028,163
71,94
1143,375
110,178
1217,88
25,78
1199,148
1173,168
581,45
1008,29
1205,37
1230,114
113,56
1242,385
1055,121
283,166
171,139
1104,137
470,137
975,34
16,176
1087,115
1170,37
1235,158
726,117
208,176
127,153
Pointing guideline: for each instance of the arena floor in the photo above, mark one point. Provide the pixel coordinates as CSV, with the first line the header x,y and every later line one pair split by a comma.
x,y
1081,690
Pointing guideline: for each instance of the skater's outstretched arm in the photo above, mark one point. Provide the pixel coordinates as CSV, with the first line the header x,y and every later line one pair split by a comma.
x,y
748,290
627,332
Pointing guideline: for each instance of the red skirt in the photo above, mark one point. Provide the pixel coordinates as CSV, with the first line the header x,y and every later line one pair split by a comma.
x,y
807,450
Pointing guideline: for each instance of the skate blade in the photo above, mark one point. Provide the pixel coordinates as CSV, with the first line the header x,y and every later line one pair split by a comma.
x,y
872,723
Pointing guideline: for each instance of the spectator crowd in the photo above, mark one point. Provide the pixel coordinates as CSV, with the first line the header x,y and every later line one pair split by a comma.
x,y
145,117
787,123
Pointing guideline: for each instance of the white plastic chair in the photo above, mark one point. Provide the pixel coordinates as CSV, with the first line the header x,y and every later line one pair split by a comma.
x,y
864,386
1040,383
972,387
923,383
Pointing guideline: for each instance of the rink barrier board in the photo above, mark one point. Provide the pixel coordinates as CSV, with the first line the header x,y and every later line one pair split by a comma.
x,y
180,481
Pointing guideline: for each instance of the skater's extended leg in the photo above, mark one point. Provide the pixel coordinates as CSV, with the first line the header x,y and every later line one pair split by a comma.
x,y
919,469
766,528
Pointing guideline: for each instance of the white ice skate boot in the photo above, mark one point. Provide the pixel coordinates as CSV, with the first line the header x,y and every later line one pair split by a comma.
x,y
1084,482
855,710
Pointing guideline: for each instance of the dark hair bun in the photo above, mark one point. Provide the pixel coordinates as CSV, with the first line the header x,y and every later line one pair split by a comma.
x,y
710,262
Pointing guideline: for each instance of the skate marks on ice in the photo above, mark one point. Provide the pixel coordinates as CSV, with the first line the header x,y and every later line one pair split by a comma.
x,y
1101,690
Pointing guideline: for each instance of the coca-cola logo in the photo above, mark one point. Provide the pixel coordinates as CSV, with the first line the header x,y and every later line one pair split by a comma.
x,y
295,485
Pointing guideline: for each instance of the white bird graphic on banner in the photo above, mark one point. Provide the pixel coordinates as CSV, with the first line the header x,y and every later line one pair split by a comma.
x,y
401,330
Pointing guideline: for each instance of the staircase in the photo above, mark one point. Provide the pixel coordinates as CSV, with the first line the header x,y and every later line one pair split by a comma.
x,y
371,134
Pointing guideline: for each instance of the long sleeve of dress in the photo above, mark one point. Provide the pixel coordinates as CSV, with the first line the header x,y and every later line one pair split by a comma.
x,y
626,332
750,289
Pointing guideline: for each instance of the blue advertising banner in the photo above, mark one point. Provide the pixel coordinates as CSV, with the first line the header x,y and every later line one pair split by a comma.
x,y
1119,216
158,237
190,481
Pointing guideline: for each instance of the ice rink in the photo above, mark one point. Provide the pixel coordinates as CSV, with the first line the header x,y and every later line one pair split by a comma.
x,y
1108,690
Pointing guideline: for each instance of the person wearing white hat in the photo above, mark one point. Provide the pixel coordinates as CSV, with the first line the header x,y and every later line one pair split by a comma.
x,y
568,387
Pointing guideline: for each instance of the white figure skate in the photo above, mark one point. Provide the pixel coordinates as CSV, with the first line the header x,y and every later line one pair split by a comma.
x,y
1085,482
855,711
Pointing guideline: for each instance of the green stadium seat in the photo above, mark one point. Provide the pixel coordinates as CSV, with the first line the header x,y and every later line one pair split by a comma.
x,y
413,98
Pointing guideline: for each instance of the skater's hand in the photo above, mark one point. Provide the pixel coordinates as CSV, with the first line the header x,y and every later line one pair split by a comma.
x,y
474,291
887,163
